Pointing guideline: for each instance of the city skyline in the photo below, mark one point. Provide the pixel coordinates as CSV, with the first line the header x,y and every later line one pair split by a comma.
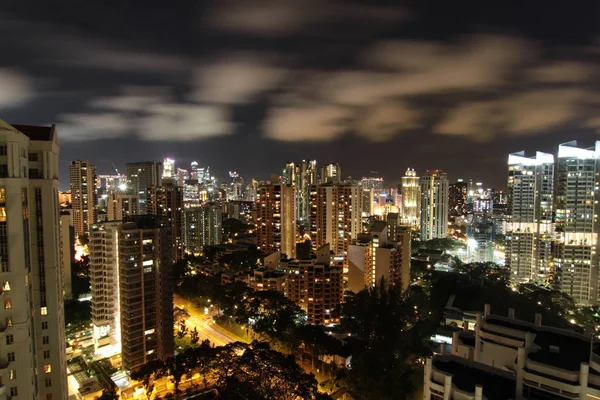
x,y
304,81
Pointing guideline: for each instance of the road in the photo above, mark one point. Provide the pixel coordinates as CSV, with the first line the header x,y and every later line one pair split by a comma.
x,y
203,323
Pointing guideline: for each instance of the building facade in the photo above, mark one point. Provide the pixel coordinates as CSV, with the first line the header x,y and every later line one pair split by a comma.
x,y
122,205
275,219
142,175
202,226
530,229
434,205
411,198
83,195
576,252
166,201
32,326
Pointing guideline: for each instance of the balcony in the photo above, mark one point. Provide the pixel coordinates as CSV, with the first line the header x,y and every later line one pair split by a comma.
x,y
3,363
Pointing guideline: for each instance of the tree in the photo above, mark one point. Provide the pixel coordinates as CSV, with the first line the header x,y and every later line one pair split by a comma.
x,y
176,368
109,394
183,329
147,374
194,337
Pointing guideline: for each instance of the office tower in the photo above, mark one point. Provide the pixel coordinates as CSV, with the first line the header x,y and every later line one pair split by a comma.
x,y
139,254
201,227
83,195
530,206
67,249
252,191
290,174
236,186
167,201
374,183
308,178
457,198
275,219
434,205
32,327
169,171
331,173
576,253
384,252
122,205
194,170
140,177
338,216
411,198
316,285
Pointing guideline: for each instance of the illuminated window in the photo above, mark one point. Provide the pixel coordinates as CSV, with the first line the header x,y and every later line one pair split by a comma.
x,y
47,368
44,311
7,304
8,321
12,374
6,286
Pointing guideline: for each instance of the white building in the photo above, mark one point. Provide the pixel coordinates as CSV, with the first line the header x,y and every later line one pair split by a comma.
x,y
32,336
434,205
84,197
506,358
411,198
530,229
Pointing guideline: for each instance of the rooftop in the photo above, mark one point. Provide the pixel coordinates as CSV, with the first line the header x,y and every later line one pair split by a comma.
x,y
466,377
40,133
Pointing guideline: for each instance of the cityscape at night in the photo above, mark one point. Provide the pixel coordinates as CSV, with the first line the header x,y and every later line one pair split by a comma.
x,y
294,199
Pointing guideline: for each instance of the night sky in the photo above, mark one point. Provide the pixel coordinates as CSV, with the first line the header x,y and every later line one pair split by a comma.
x,y
247,85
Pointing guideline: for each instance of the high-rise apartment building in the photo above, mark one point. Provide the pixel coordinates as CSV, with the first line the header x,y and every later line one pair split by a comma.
x,y
32,325
142,175
83,195
384,252
167,201
132,288
275,219
434,205
316,285
576,253
411,198
530,229
338,212
302,176
331,173
457,198
202,226
121,205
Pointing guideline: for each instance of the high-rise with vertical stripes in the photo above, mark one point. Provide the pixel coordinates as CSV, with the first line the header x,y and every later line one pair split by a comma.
x,y
32,326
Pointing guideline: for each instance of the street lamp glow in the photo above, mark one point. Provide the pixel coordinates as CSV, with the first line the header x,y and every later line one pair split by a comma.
x,y
123,187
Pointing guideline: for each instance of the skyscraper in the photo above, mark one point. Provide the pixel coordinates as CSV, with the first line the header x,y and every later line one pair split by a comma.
x,y
32,327
169,171
140,177
331,173
83,195
457,198
167,201
132,290
576,253
201,227
301,175
121,205
411,198
275,219
434,205
530,205
338,216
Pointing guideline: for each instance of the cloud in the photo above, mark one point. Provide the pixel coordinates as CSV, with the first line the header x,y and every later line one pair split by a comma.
x,y
16,88
417,68
133,99
562,72
184,122
286,17
235,79
93,126
317,123
383,121
523,114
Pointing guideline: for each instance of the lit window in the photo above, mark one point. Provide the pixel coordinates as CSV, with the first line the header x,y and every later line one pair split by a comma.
x,y
8,321
44,310
6,286
47,368
12,374
7,304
